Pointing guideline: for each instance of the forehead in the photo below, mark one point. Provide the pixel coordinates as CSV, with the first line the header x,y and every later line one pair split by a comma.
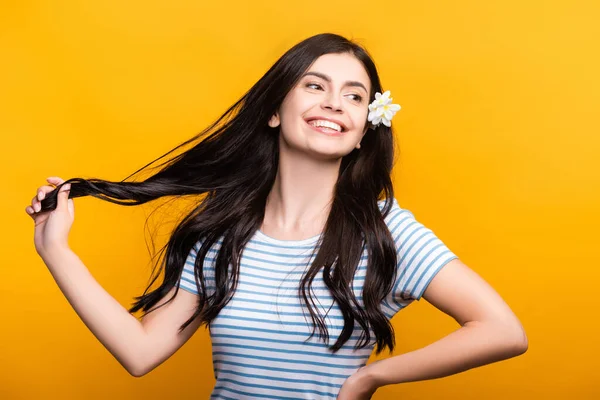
x,y
341,67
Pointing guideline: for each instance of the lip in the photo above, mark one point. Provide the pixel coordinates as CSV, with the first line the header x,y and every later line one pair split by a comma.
x,y
321,130
340,123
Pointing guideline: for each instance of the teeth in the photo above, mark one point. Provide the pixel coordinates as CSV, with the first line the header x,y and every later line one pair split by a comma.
x,y
327,124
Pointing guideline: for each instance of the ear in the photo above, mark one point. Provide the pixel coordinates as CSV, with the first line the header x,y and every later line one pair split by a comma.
x,y
367,126
274,121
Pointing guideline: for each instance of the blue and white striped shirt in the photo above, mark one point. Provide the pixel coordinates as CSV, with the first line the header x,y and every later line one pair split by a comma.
x,y
258,338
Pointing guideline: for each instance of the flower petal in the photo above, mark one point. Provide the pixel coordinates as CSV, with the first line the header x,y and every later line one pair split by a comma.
x,y
394,107
388,114
386,122
376,120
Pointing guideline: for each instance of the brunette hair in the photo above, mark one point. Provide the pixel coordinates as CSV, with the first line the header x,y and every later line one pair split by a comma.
x,y
234,167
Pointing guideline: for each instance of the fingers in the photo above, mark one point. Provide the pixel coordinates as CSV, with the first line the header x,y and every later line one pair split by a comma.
x,y
55,180
30,211
41,194
63,197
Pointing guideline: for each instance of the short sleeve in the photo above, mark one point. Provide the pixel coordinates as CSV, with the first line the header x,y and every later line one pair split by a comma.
x,y
187,280
420,256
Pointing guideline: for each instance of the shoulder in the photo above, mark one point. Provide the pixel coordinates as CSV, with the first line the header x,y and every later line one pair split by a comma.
x,y
408,232
396,215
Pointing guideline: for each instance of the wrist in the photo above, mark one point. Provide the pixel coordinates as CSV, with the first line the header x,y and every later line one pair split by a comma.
x,y
54,252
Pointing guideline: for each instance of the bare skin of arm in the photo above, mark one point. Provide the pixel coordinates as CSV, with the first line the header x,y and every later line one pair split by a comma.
x,y
139,346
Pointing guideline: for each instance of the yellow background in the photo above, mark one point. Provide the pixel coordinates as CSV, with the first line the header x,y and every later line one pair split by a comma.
x,y
499,139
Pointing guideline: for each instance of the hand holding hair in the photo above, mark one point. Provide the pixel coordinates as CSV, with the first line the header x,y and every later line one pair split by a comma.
x,y
52,227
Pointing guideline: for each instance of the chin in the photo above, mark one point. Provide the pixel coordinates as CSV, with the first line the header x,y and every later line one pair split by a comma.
x,y
328,152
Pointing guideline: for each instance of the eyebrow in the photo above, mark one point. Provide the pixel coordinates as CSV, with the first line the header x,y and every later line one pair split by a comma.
x,y
328,79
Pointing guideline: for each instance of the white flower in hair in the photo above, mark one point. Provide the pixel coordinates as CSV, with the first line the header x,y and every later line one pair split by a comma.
x,y
382,109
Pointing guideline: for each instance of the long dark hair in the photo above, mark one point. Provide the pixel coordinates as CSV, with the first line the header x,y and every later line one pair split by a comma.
x,y
235,166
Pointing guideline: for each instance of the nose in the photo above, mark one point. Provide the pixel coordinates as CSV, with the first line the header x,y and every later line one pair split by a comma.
x,y
332,102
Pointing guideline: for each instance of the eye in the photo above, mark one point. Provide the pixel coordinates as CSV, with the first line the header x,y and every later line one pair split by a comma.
x,y
357,97
314,86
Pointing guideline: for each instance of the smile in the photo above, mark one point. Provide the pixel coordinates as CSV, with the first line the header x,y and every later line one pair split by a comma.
x,y
327,127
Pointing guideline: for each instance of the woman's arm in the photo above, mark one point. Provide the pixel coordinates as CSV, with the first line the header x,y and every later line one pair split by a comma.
x,y
489,332
139,346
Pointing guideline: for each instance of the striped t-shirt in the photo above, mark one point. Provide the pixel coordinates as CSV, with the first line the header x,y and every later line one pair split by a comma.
x,y
258,338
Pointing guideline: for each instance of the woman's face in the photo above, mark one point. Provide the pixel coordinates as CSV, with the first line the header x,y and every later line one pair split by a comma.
x,y
325,114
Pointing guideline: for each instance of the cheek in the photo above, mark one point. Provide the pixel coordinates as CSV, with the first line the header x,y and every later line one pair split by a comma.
x,y
360,120
294,108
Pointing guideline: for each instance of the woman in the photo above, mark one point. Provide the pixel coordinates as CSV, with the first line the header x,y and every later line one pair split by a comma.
x,y
293,221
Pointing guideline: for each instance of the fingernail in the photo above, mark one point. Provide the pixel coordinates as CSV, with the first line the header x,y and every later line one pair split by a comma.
x,y
41,196
67,186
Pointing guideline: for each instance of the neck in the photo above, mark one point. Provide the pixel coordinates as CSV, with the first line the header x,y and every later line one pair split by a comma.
x,y
301,196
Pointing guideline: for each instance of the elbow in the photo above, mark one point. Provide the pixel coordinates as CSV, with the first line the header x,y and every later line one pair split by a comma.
x,y
522,343
136,372
517,340
140,367
511,338
136,364
135,369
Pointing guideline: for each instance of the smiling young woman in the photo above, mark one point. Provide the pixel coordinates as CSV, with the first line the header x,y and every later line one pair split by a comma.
x,y
299,219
